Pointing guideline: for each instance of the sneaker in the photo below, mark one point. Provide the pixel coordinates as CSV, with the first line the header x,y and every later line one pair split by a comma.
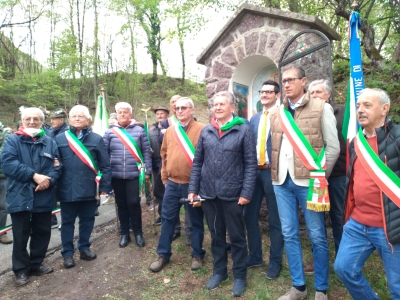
x,y
158,221
197,262
320,296
239,287
158,265
309,268
54,222
294,294
4,239
215,281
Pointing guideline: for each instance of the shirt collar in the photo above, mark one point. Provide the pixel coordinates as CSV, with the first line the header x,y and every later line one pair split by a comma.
x,y
297,104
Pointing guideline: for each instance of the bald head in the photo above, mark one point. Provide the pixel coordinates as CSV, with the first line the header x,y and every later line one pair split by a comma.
x,y
172,102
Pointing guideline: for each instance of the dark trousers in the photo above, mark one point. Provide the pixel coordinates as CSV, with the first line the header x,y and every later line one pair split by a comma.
x,y
3,212
337,191
221,216
37,226
84,210
158,189
170,216
128,201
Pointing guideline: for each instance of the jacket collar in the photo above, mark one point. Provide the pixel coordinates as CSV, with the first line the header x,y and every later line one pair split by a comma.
x,y
85,131
382,131
306,99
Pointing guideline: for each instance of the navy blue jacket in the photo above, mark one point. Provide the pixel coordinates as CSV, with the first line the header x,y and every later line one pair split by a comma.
x,y
53,132
77,182
22,157
123,164
254,122
224,167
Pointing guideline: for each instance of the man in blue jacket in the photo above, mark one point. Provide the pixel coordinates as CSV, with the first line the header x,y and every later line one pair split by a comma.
x,y
224,173
29,160
85,162
260,124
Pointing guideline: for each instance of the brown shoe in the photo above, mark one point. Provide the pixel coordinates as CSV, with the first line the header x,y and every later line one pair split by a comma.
x,y
197,262
309,268
158,264
4,239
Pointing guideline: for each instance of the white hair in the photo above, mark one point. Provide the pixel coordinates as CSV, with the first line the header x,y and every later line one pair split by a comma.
x,y
383,96
185,100
80,108
35,110
124,105
327,86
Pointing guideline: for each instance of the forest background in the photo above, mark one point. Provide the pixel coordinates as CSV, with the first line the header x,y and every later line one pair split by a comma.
x,y
56,53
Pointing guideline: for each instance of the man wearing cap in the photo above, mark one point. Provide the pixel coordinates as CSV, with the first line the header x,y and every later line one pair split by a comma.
x,y
58,125
161,113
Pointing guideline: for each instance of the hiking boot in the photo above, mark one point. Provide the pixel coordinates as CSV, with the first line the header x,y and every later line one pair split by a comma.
x,y
294,294
4,239
197,262
69,262
320,296
87,255
309,268
239,287
21,279
215,281
158,265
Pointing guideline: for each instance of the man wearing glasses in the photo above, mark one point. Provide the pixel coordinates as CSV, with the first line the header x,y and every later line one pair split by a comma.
x,y
260,124
305,148
177,151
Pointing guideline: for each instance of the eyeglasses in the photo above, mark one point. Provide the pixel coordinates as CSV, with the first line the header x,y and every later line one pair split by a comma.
x,y
267,92
289,81
33,120
182,108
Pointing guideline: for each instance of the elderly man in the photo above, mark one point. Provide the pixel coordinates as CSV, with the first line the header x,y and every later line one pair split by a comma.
x,y
29,160
322,89
305,148
224,173
260,124
162,114
86,173
129,150
176,152
373,198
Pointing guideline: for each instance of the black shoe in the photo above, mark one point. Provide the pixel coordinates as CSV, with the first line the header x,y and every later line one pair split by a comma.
x,y
69,262
125,239
140,240
87,255
54,222
41,271
176,235
21,280
158,221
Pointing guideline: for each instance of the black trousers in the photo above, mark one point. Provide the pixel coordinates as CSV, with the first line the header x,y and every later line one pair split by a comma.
x,y
127,198
37,226
221,216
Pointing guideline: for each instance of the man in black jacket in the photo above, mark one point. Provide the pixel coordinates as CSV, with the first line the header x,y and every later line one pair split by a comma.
x,y
224,173
373,198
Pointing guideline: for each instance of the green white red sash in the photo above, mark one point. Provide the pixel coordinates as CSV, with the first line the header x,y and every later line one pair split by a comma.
x,y
85,156
383,176
134,149
184,143
318,196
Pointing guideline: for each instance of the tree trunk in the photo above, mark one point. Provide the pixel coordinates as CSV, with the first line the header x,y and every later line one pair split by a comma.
x,y
272,3
95,51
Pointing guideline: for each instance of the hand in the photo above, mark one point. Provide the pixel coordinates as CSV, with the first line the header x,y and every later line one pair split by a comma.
x,y
243,201
43,182
103,193
193,196
56,162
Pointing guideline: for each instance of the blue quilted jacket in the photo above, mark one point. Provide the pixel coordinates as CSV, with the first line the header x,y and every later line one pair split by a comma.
x,y
224,167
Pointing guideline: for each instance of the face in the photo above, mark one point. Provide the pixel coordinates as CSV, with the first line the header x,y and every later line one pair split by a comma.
x,y
370,112
292,85
56,122
78,120
222,109
318,91
124,116
184,112
268,96
32,120
161,115
172,103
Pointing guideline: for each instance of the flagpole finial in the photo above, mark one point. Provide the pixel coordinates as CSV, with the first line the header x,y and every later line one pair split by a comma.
x,y
354,5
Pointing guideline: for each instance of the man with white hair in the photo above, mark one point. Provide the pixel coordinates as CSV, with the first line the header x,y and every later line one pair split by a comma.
x,y
372,209
29,160
86,173
126,143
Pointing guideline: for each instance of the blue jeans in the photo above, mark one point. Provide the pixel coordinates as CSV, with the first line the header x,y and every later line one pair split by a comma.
x,y
170,215
289,196
84,210
358,243
251,215
337,191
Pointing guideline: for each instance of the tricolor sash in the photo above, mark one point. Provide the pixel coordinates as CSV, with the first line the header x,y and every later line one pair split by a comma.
x,y
318,196
85,156
184,143
383,176
134,149
172,120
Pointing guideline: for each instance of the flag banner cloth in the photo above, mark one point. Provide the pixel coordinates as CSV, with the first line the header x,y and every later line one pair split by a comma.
x,y
100,123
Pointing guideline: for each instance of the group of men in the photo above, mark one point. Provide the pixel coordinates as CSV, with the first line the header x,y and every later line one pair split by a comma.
x,y
293,154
